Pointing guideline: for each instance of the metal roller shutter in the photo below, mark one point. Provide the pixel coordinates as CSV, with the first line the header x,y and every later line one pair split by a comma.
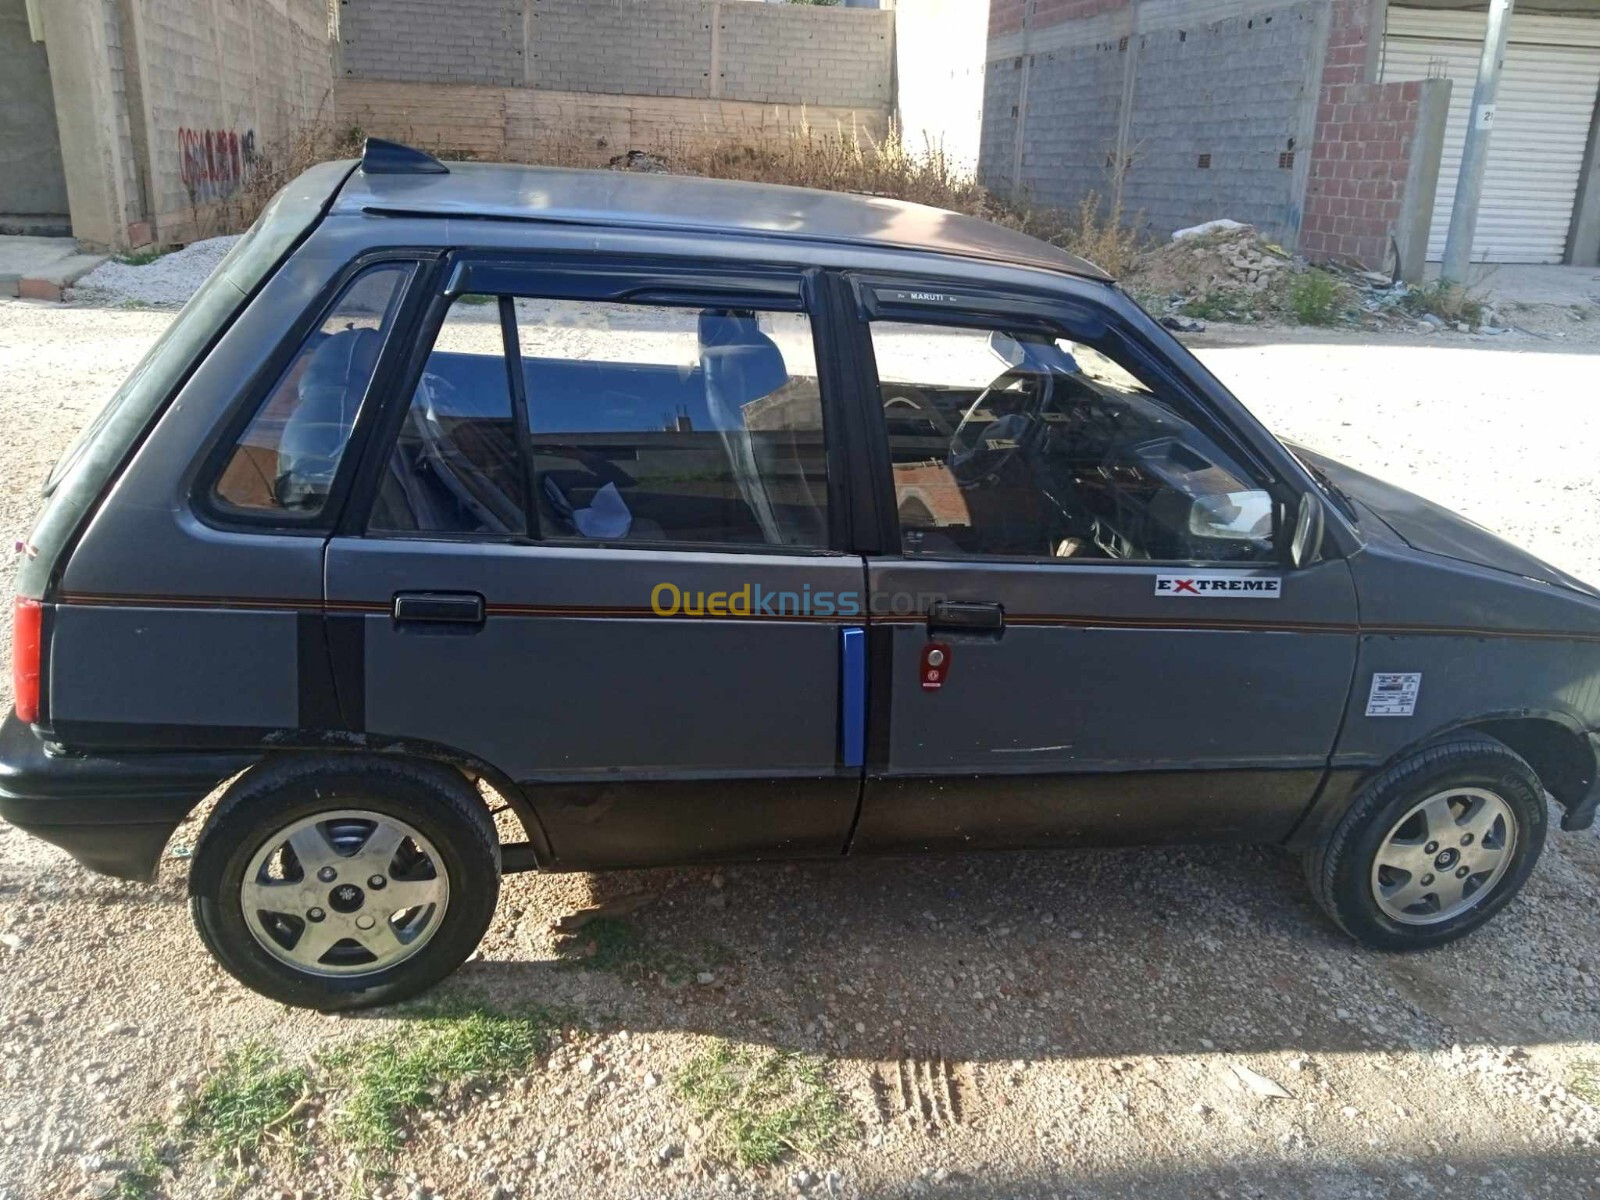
x,y
1541,124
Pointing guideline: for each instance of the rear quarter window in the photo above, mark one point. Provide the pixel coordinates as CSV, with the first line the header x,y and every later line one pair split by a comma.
x,y
285,461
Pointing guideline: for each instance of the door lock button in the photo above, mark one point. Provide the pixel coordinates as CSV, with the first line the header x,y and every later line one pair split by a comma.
x,y
935,667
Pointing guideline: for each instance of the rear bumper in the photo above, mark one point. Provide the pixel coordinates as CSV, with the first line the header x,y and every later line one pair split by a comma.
x,y
113,812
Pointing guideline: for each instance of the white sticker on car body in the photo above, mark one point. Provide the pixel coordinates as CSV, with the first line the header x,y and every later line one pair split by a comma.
x,y
1221,585
1394,693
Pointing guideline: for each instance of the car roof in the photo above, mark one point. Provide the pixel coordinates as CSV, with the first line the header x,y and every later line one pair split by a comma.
x,y
689,204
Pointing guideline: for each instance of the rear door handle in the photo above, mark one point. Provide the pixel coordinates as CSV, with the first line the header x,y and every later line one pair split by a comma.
x,y
954,616
439,608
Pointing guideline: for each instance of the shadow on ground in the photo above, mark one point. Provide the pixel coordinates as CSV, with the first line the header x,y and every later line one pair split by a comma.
x,y
1029,956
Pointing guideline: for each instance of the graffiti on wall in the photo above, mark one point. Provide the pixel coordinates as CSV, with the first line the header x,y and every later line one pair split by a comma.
x,y
214,163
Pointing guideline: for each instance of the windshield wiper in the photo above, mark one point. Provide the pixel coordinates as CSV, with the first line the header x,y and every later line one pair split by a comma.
x,y
1335,493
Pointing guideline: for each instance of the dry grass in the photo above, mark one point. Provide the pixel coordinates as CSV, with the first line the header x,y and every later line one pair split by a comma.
x,y
850,160
845,159
274,165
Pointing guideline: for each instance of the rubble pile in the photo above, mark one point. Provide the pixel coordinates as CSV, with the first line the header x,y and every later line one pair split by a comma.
x,y
1230,259
1227,271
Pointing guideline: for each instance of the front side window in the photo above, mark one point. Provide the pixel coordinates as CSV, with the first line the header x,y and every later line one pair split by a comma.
x,y
1020,445
285,461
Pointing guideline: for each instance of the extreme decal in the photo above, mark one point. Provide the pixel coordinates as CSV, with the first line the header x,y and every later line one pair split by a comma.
x,y
1233,585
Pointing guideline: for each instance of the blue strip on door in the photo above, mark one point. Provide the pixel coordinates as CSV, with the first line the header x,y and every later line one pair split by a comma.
x,y
853,696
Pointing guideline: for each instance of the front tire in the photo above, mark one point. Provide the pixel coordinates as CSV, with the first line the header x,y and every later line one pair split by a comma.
x,y
341,882
1434,847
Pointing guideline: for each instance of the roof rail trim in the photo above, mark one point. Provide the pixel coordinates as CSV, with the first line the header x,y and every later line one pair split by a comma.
x,y
382,157
1093,273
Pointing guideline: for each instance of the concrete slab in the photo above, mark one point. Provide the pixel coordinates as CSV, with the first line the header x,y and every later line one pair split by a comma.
x,y
1527,283
41,268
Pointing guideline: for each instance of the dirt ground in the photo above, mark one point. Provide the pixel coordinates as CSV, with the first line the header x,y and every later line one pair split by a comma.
x,y
1045,1025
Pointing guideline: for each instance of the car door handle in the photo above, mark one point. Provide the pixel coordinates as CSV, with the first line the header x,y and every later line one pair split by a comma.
x,y
439,608
953,616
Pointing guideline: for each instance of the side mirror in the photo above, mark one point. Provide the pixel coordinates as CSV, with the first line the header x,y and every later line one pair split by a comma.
x,y
1306,542
1232,516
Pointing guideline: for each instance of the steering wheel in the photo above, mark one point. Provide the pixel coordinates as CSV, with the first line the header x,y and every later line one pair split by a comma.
x,y
981,463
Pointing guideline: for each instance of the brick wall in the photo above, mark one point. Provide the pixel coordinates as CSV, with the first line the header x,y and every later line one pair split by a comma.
x,y
463,41
1364,142
570,128
700,49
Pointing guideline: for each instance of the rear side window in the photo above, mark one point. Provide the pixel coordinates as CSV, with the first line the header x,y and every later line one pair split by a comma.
x,y
644,424
285,461
662,424
456,466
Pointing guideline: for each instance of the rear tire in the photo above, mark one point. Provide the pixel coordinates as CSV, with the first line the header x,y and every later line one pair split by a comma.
x,y
1434,847
399,879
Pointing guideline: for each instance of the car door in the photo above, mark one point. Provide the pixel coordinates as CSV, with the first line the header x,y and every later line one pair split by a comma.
x,y
600,555
1084,627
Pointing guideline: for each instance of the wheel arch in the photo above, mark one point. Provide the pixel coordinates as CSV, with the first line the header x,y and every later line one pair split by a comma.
x,y
471,766
531,854
1556,746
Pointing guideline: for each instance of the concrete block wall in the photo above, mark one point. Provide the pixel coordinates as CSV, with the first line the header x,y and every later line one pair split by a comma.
x,y
33,186
635,47
1071,131
125,94
463,41
1231,90
570,128
166,108
800,54
224,82
1205,107
1002,97
693,49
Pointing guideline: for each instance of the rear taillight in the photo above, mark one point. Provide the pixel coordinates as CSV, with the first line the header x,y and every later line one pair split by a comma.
x,y
27,630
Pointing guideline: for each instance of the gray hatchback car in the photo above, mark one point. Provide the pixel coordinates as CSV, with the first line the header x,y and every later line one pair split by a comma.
x,y
694,521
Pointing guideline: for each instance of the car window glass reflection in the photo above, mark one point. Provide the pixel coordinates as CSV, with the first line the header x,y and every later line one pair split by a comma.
x,y
1020,445
286,459
657,424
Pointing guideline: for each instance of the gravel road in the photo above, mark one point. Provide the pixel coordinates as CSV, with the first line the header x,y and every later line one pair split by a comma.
x,y
1074,1024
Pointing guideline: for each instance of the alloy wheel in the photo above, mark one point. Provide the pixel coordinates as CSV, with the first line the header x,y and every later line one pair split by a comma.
x,y
1444,856
344,893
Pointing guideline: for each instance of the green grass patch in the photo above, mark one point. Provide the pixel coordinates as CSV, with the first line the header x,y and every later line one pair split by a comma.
x,y
1315,298
254,1105
616,944
142,258
476,298
759,1105
252,1097
1224,304
1448,301
142,1180
397,1077
1584,1080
